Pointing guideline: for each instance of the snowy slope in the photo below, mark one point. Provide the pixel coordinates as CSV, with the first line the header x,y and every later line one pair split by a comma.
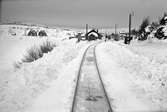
x,y
18,87
134,82
21,31
13,47
58,98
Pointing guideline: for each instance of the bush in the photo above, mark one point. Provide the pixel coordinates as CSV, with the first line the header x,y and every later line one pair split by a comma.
x,y
35,52
116,37
154,25
159,33
32,33
42,33
142,32
163,20
46,47
134,32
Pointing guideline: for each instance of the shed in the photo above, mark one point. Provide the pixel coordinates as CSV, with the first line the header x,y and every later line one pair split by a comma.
x,y
93,35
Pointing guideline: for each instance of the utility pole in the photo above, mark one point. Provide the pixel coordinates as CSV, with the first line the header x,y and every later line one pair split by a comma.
x,y
86,31
130,22
129,38
115,28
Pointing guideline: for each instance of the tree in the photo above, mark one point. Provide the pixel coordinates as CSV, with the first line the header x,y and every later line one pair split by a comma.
x,y
142,31
159,33
134,32
163,20
154,25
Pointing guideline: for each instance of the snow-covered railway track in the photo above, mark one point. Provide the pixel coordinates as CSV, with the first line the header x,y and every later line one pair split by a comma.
x,y
90,94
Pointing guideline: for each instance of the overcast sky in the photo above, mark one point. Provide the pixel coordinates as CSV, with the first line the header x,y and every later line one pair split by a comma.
x,y
101,13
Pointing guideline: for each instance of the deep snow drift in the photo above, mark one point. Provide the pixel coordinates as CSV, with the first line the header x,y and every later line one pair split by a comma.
x,y
19,87
58,98
135,75
136,79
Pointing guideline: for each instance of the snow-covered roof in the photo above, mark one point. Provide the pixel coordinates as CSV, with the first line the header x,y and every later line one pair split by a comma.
x,y
93,33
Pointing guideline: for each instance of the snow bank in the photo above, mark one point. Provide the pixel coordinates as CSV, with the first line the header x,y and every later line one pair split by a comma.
x,y
21,31
58,98
18,87
14,47
134,82
154,49
13,50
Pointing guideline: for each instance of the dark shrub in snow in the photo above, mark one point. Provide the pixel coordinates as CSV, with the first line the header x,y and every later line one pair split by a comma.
x,y
46,47
35,52
32,33
163,21
154,25
159,33
42,33
142,32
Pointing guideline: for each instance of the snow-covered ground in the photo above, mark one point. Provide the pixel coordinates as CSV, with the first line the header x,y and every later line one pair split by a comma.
x,y
135,76
58,98
14,47
21,87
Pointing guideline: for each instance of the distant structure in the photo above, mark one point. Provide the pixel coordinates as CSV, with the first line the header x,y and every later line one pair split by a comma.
x,y
32,33
42,33
93,35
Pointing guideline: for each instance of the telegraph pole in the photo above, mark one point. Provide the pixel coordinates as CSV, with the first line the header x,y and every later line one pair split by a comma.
x,y
115,28
128,38
86,31
130,22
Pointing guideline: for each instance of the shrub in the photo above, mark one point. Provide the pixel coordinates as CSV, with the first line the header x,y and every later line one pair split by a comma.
x,y
163,20
159,33
154,25
46,47
142,32
42,33
35,52
134,32
32,33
